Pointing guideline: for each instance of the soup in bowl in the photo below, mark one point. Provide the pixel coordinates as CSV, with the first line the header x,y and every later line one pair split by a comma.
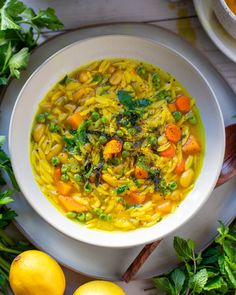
x,y
117,145
124,145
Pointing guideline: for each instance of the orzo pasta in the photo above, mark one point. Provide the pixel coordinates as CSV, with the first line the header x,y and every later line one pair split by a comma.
x,y
117,144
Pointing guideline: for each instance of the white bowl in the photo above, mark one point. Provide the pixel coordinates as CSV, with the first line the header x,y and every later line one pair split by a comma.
x,y
81,53
225,16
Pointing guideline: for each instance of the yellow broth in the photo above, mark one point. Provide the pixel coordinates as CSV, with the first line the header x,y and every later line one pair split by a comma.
x,y
117,144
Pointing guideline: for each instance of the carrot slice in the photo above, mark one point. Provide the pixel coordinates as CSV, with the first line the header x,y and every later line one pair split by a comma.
x,y
112,147
173,132
183,103
140,173
70,204
75,120
180,167
135,198
191,146
165,207
168,153
172,107
57,174
64,188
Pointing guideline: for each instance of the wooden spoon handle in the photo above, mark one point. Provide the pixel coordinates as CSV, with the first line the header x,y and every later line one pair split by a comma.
x,y
139,261
228,169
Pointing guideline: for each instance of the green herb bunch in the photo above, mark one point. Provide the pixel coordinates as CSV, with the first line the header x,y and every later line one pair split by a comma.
x,y
211,272
9,249
20,29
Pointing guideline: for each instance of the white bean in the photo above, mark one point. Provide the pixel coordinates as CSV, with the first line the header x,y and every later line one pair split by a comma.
x,y
186,178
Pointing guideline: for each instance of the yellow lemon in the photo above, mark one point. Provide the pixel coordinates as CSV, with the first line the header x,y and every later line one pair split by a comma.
x,y
36,273
99,288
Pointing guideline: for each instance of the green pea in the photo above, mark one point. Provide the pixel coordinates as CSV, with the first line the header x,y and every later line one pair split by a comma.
x,y
55,161
132,131
104,120
103,216
98,211
141,71
95,116
156,80
116,161
125,154
53,127
71,214
172,185
41,118
88,188
109,217
125,123
127,146
88,216
105,166
177,115
120,133
77,178
65,177
81,216
152,140
192,119
102,139
65,168
97,124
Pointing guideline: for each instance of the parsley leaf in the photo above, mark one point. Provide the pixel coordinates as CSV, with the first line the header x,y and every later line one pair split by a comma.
x,y
47,19
20,29
18,62
121,189
127,100
5,197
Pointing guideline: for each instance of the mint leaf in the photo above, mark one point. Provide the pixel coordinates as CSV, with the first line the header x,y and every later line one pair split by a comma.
x,y
213,284
211,255
3,81
163,284
178,278
223,231
184,248
230,249
19,62
198,281
231,274
47,19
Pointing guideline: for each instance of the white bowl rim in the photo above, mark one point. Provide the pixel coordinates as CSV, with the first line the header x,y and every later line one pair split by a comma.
x,y
124,244
227,9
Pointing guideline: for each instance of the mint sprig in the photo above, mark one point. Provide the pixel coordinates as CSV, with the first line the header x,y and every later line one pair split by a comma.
x,y
211,272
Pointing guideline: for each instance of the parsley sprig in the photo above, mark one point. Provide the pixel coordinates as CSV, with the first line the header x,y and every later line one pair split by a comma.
x,y
9,249
211,272
20,29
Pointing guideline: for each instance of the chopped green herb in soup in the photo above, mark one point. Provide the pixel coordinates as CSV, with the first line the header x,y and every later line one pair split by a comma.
x,y
117,144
